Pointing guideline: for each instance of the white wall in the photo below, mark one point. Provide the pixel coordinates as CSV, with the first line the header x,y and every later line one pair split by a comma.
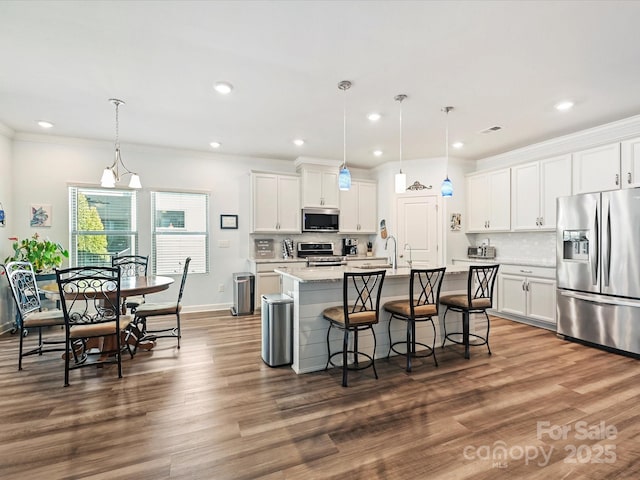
x,y
45,166
429,172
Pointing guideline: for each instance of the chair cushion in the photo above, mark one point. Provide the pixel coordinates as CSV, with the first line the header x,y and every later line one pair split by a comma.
x,y
336,314
153,309
98,329
403,308
460,301
44,318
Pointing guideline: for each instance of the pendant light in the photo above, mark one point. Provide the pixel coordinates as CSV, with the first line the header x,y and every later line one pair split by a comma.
x,y
401,178
111,175
344,179
447,187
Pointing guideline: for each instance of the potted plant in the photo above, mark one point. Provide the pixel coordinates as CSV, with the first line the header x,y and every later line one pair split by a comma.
x,y
44,255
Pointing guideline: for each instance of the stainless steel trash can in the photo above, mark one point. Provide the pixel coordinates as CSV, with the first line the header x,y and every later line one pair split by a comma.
x,y
243,293
277,329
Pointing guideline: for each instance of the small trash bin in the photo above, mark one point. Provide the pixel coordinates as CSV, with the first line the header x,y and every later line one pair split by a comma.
x,y
243,293
277,329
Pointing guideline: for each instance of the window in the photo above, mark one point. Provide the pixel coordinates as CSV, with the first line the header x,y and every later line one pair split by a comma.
x,y
103,224
180,230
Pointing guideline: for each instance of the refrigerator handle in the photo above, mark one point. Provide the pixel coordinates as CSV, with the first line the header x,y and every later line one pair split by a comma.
x,y
606,247
594,253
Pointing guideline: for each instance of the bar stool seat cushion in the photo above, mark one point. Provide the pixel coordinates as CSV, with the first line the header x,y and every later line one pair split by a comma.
x,y
336,314
44,318
461,301
403,308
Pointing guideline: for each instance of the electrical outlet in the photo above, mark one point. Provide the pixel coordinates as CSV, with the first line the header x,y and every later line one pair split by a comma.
x,y
221,287
224,243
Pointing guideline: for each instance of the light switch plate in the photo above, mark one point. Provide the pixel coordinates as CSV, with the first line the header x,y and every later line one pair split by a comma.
x,y
224,243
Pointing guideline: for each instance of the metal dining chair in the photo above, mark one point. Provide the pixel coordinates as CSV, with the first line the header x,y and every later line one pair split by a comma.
x,y
25,292
131,266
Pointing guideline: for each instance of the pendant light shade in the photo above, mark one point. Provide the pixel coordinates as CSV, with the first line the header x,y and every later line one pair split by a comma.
x,y
401,178
447,187
344,179
111,175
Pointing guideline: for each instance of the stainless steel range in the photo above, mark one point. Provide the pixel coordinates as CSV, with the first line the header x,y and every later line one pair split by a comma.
x,y
320,255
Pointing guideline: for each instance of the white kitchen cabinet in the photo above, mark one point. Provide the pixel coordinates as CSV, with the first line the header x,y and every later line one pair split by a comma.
x,y
597,169
528,292
320,187
276,203
267,281
489,201
630,163
358,207
534,189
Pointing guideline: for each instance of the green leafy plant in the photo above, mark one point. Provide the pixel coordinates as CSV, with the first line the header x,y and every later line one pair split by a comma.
x,y
45,255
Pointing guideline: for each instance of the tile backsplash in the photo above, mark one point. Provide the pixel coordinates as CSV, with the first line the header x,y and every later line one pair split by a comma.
x,y
536,247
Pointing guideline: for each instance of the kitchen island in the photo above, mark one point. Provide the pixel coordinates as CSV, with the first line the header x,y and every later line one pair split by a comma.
x,y
314,289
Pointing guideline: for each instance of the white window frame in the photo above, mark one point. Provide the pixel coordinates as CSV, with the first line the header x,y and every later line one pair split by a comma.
x,y
193,235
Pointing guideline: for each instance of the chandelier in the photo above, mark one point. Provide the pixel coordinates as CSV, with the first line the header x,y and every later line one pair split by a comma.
x,y
112,175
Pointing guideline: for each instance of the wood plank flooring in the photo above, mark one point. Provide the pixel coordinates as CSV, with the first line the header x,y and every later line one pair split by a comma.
x,y
214,410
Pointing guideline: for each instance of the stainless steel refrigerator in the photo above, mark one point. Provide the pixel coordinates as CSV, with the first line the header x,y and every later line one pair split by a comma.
x,y
598,268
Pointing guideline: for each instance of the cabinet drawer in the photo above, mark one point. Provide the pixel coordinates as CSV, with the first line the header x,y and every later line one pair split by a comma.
x,y
271,266
526,271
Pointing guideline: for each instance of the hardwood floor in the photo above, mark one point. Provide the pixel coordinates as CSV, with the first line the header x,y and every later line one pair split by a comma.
x,y
214,410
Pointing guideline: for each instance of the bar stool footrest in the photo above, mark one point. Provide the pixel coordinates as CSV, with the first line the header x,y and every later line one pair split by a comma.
x,y
481,340
418,354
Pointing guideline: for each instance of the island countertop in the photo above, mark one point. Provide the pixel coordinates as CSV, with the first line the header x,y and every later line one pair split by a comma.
x,y
336,274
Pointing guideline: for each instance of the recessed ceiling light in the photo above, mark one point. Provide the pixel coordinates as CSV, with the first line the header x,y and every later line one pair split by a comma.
x,y
564,106
457,144
299,142
215,144
374,117
45,124
223,88
377,153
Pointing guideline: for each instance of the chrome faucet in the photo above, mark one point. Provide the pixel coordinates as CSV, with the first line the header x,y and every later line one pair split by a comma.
x,y
394,259
408,247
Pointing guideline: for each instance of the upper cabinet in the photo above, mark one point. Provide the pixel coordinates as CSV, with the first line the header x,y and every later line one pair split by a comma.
x,y
358,207
630,162
534,189
319,186
597,169
489,201
276,203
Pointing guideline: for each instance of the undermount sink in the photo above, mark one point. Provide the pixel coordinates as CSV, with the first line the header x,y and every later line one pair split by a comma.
x,y
374,267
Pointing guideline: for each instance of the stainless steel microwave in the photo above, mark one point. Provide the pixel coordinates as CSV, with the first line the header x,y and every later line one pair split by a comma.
x,y
320,219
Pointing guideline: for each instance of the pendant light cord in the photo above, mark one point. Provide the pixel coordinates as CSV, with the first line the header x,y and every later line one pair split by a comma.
x,y
344,129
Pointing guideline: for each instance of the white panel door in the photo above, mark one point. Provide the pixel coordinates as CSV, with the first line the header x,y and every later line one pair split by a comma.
x,y
541,299
368,207
525,189
477,203
512,294
597,169
500,200
349,218
418,228
289,212
265,202
555,182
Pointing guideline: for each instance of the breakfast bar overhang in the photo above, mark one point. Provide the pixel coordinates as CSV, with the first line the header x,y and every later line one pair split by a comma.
x,y
314,289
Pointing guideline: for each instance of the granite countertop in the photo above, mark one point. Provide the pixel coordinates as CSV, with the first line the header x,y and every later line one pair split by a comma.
x,y
302,259
335,274
526,262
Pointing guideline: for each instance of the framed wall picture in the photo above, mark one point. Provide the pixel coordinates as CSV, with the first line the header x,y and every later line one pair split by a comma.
x,y
229,221
456,221
40,216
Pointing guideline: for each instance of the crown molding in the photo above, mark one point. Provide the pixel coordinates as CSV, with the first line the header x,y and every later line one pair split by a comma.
x,y
6,131
317,161
592,137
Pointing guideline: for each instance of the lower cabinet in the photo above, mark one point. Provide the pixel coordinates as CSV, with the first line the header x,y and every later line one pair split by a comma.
x,y
267,280
528,292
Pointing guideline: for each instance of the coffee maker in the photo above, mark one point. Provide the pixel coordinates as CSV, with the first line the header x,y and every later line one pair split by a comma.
x,y
350,246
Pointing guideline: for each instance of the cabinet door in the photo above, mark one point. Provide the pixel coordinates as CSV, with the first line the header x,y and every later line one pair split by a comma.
x,y
541,299
330,189
265,202
525,194
500,200
289,212
367,207
555,181
597,169
512,294
311,188
631,163
349,209
266,283
477,203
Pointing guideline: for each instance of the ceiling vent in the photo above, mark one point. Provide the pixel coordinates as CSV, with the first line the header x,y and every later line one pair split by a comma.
x,y
491,129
